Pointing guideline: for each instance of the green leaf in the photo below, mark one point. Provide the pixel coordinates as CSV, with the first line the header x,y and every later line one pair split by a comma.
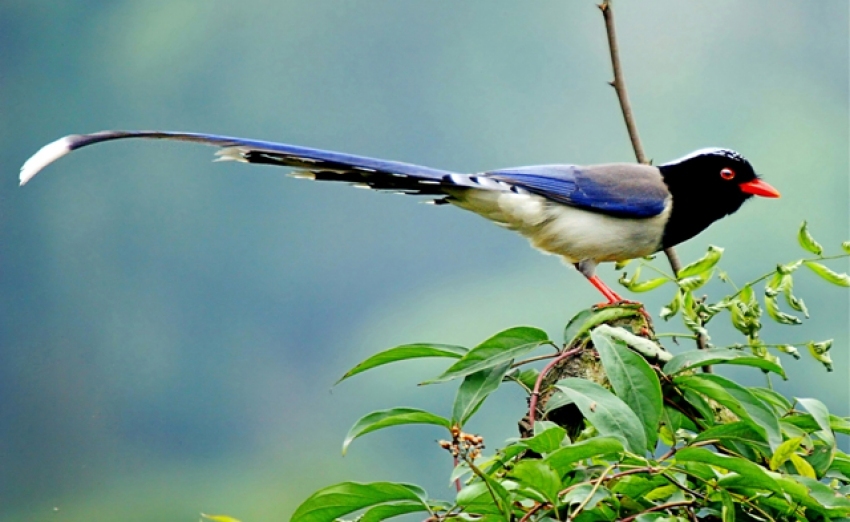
x,y
502,347
784,452
701,405
821,457
841,464
474,389
586,320
393,417
819,352
696,358
633,380
820,413
817,498
331,503
780,404
739,400
606,412
548,437
619,265
539,476
477,498
383,512
635,486
807,241
846,246
702,265
803,468
789,349
586,492
404,352
808,423
646,286
787,287
727,510
776,314
219,518
673,308
692,283
661,492
527,377
641,286
824,495
755,474
739,431
562,459
827,274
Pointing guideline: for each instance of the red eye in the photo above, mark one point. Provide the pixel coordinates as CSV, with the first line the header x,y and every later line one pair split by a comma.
x,y
727,174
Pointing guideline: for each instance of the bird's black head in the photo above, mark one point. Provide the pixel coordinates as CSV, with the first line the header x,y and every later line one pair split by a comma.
x,y
707,185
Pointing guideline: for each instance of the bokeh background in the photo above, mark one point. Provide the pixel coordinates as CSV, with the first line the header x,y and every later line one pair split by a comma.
x,y
171,329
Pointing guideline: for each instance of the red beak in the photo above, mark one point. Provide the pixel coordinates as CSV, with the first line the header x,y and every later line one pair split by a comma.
x,y
758,187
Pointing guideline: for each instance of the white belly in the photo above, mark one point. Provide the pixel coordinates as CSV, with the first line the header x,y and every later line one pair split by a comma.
x,y
572,233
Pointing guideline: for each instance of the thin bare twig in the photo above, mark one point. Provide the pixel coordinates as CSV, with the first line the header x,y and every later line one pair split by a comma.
x,y
619,85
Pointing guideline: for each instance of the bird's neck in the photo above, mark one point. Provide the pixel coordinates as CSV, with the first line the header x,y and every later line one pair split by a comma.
x,y
695,207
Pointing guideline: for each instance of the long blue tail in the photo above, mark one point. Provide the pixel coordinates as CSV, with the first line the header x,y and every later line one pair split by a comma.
x,y
314,163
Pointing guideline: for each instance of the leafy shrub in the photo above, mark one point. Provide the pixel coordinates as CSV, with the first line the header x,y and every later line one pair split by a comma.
x,y
620,429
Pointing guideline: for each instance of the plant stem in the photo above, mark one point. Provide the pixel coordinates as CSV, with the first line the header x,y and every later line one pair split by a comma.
x,y
533,510
660,507
592,492
619,85
535,394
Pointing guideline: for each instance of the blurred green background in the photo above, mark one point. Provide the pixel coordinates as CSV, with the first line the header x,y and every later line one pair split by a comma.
x,y
170,328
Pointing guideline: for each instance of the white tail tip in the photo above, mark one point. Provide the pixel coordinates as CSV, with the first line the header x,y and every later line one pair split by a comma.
x,y
44,157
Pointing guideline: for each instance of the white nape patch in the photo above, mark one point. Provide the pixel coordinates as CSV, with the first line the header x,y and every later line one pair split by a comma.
x,y
708,151
569,232
44,157
232,154
302,174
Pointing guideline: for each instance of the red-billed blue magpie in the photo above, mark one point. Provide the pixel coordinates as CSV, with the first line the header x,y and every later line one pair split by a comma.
x,y
586,215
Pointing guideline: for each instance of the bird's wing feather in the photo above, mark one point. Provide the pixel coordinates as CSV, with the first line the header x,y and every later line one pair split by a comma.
x,y
623,190
321,164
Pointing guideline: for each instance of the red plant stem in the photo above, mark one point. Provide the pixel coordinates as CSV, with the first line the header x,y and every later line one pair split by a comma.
x,y
534,510
535,393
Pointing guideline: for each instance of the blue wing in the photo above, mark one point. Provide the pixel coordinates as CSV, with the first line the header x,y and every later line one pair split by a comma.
x,y
622,190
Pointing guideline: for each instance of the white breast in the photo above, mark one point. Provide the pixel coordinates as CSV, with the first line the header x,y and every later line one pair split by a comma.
x,y
572,233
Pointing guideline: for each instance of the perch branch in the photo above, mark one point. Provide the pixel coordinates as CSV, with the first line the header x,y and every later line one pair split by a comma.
x,y
619,86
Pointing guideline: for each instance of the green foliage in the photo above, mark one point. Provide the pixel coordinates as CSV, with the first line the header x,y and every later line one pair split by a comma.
x,y
646,437
743,307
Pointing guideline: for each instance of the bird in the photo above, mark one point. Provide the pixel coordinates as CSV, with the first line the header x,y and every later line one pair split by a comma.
x,y
586,215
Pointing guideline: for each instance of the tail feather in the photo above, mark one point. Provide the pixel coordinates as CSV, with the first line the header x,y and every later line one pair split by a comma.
x,y
321,164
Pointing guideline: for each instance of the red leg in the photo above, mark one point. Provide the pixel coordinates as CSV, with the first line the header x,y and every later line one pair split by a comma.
x,y
609,294
614,298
